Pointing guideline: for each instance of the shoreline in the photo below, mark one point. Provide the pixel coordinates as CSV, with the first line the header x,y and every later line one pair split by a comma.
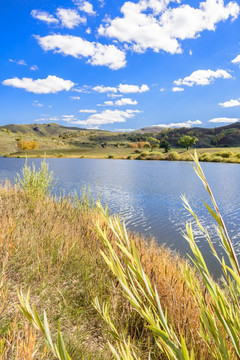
x,y
219,156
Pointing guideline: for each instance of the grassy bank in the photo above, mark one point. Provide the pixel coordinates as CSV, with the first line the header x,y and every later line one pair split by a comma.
x,y
52,247
230,155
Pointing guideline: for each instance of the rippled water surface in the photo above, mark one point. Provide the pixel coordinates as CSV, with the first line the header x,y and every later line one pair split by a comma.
x,y
147,193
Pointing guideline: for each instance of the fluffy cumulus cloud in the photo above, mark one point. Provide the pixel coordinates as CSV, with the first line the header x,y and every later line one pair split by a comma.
x,y
107,117
125,88
186,124
70,18
44,16
177,89
125,101
230,103
97,54
203,77
85,6
154,24
223,120
52,84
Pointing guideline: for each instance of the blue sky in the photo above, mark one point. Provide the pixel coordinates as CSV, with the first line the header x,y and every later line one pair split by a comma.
x,y
120,64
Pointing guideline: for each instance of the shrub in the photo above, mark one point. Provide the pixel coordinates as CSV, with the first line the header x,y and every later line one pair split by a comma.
x,y
186,158
133,145
205,157
144,153
217,159
225,154
36,183
143,144
110,156
27,145
147,145
174,155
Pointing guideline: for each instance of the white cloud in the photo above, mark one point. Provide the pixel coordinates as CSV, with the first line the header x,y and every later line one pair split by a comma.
x,y
98,54
52,84
88,31
203,77
44,16
104,89
125,101
190,52
162,90
114,95
107,117
75,97
125,88
236,60
186,124
230,103
152,24
37,103
223,120
70,18
47,118
84,89
85,6
108,103
34,68
69,118
177,89
18,62
88,111
124,130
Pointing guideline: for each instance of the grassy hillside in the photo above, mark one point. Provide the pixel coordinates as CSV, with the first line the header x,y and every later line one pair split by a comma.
x,y
223,136
59,141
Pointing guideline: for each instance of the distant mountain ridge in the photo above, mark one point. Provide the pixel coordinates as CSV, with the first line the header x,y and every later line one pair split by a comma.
x,y
225,136
228,135
51,129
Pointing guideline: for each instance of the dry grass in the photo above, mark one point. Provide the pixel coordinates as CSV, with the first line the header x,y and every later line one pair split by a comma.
x,y
51,246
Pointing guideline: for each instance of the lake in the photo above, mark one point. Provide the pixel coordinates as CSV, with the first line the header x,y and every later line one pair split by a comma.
x,y
147,194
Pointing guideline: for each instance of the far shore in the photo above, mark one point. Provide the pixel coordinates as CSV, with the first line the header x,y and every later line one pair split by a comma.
x,y
226,155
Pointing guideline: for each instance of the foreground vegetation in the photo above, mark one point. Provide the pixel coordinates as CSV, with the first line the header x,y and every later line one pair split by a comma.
x,y
101,283
52,247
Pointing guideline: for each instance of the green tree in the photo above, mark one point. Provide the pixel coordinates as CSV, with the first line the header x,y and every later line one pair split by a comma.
x,y
187,141
165,145
153,142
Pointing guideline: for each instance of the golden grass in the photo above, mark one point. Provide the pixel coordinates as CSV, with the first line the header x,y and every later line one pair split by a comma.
x,y
51,246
